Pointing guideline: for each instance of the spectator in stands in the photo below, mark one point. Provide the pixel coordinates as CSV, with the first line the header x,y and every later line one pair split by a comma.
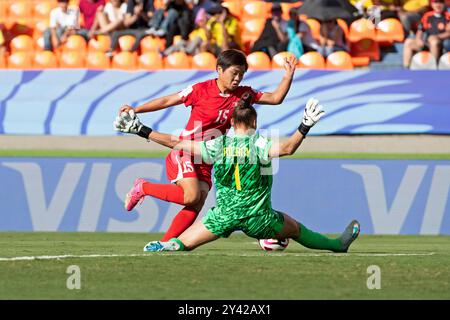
x,y
332,38
175,19
410,12
274,38
197,38
139,13
434,30
300,35
110,18
222,30
88,11
63,23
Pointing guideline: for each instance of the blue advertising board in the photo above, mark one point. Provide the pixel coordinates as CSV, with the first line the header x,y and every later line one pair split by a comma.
x,y
85,102
86,194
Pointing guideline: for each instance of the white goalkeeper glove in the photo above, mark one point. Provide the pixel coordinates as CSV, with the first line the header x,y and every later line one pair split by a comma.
x,y
311,115
128,122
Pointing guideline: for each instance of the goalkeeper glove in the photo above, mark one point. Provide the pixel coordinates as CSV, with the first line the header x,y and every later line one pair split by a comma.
x,y
128,122
312,114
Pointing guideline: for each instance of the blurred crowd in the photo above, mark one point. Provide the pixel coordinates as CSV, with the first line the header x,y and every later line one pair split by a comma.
x,y
210,26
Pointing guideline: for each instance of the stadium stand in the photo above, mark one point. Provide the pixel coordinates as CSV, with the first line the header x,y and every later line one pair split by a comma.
x,y
151,61
177,60
72,59
423,61
125,61
23,23
312,60
20,60
258,61
97,60
45,60
444,61
204,61
339,60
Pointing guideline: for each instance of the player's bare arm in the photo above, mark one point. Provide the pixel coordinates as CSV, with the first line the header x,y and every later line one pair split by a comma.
x,y
155,104
281,91
311,115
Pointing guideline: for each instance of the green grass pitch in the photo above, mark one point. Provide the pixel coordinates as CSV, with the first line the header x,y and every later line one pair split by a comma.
x,y
113,266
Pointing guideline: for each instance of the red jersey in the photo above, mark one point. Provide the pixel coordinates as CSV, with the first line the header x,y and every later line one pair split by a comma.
x,y
211,110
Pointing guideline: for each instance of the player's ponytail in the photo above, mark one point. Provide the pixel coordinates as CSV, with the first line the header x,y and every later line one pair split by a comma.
x,y
244,113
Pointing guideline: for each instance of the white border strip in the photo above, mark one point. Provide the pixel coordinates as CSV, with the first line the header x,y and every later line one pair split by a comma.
x,y
262,254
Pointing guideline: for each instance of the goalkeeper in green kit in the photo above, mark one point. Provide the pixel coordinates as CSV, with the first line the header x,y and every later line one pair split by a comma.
x,y
243,179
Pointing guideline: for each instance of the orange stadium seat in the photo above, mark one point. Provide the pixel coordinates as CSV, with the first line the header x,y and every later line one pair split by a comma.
x,y
362,29
444,61
287,6
339,60
343,26
2,61
259,61
314,25
360,61
256,9
177,60
151,44
39,28
251,30
3,10
365,48
279,59
44,60
423,60
71,60
311,60
97,60
204,61
41,9
75,43
22,43
389,30
20,10
234,6
101,43
126,42
20,60
151,60
124,60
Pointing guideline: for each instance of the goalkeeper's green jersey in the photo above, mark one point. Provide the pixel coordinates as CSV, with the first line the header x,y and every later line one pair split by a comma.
x,y
242,173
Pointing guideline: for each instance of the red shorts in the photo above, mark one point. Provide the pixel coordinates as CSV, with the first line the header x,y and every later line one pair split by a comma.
x,y
182,166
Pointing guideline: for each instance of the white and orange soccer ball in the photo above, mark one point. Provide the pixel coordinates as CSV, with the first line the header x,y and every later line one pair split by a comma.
x,y
273,244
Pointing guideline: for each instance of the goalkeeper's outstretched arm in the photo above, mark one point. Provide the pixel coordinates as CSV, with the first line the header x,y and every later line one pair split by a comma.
x,y
174,142
311,115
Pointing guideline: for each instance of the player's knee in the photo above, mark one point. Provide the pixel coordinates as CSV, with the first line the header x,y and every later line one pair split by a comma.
x,y
191,198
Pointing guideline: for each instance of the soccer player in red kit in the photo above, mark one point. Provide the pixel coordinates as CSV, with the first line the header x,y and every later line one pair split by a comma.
x,y
212,103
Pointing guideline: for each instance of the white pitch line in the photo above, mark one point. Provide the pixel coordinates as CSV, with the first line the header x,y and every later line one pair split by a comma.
x,y
269,254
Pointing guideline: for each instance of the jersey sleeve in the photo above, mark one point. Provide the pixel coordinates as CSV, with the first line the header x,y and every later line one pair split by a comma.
x,y
263,146
188,95
212,149
255,93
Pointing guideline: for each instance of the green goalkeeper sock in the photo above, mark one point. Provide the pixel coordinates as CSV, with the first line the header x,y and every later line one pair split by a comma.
x,y
315,240
178,241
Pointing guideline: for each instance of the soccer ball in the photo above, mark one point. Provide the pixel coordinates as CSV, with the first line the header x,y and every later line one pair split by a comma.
x,y
273,244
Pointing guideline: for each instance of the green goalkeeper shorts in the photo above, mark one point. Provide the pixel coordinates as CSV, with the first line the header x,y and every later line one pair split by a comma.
x,y
265,225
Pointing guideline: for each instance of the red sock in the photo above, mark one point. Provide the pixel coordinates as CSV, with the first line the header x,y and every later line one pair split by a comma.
x,y
166,192
183,220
